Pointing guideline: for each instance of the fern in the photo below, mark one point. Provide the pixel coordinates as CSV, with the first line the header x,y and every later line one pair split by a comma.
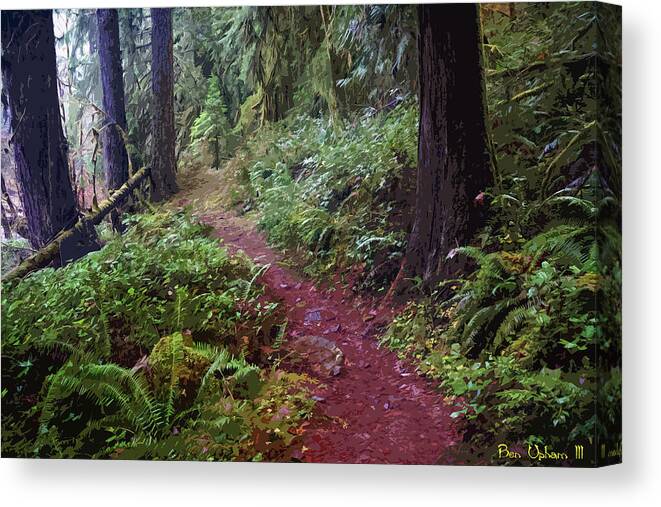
x,y
513,321
176,344
584,206
120,395
562,241
483,318
490,264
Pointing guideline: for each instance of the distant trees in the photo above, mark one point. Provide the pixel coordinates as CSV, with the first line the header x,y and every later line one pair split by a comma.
x,y
453,156
40,149
164,180
115,158
212,125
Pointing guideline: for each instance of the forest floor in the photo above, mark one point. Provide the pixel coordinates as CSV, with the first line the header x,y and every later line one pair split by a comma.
x,y
377,409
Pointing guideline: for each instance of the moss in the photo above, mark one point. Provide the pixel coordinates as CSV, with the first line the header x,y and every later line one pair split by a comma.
x,y
176,366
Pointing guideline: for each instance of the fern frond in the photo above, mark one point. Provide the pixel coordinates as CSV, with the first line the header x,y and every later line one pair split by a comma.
x,y
111,388
513,321
482,318
176,343
582,205
570,242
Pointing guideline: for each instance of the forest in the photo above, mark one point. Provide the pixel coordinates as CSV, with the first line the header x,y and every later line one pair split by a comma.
x,y
328,234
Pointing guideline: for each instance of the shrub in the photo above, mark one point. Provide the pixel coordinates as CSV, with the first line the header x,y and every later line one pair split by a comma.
x,y
166,300
336,197
521,344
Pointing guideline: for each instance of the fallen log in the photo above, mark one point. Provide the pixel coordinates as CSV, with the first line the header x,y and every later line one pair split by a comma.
x,y
47,253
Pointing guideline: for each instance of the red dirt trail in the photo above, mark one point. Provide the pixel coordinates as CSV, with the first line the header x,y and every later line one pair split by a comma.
x,y
377,410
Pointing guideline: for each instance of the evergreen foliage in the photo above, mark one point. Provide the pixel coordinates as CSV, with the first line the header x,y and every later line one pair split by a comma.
x,y
212,126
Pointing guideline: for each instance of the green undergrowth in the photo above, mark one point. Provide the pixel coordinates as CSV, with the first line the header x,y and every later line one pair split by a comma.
x,y
335,195
522,345
528,344
150,348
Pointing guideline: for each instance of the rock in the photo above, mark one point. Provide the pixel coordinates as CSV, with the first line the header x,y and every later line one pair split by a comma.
x,y
312,316
333,329
324,357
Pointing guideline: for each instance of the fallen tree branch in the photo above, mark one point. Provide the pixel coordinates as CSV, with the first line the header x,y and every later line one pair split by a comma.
x,y
525,94
555,60
46,254
520,71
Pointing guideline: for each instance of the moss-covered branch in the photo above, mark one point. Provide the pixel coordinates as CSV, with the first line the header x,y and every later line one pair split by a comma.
x,y
555,60
45,255
525,94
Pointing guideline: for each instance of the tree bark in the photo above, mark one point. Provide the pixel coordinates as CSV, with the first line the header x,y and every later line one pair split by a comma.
x,y
216,153
6,226
453,157
115,157
40,149
164,180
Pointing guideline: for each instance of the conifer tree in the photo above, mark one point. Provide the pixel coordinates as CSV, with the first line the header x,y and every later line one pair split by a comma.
x,y
212,125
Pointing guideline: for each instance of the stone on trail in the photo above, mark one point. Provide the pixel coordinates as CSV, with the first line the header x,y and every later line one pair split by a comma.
x,y
324,357
312,316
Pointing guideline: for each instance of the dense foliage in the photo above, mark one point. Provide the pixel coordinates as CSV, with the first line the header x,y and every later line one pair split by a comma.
x,y
334,197
311,114
521,344
149,348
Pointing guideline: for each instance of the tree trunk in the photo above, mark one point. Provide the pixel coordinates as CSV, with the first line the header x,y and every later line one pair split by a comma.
x,y
216,153
40,149
164,180
453,156
115,157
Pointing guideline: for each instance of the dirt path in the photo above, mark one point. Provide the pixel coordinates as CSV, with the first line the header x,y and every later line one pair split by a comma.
x,y
377,410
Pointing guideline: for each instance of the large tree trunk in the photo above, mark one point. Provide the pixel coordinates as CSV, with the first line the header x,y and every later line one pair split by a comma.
x,y
164,180
115,157
40,149
453,156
